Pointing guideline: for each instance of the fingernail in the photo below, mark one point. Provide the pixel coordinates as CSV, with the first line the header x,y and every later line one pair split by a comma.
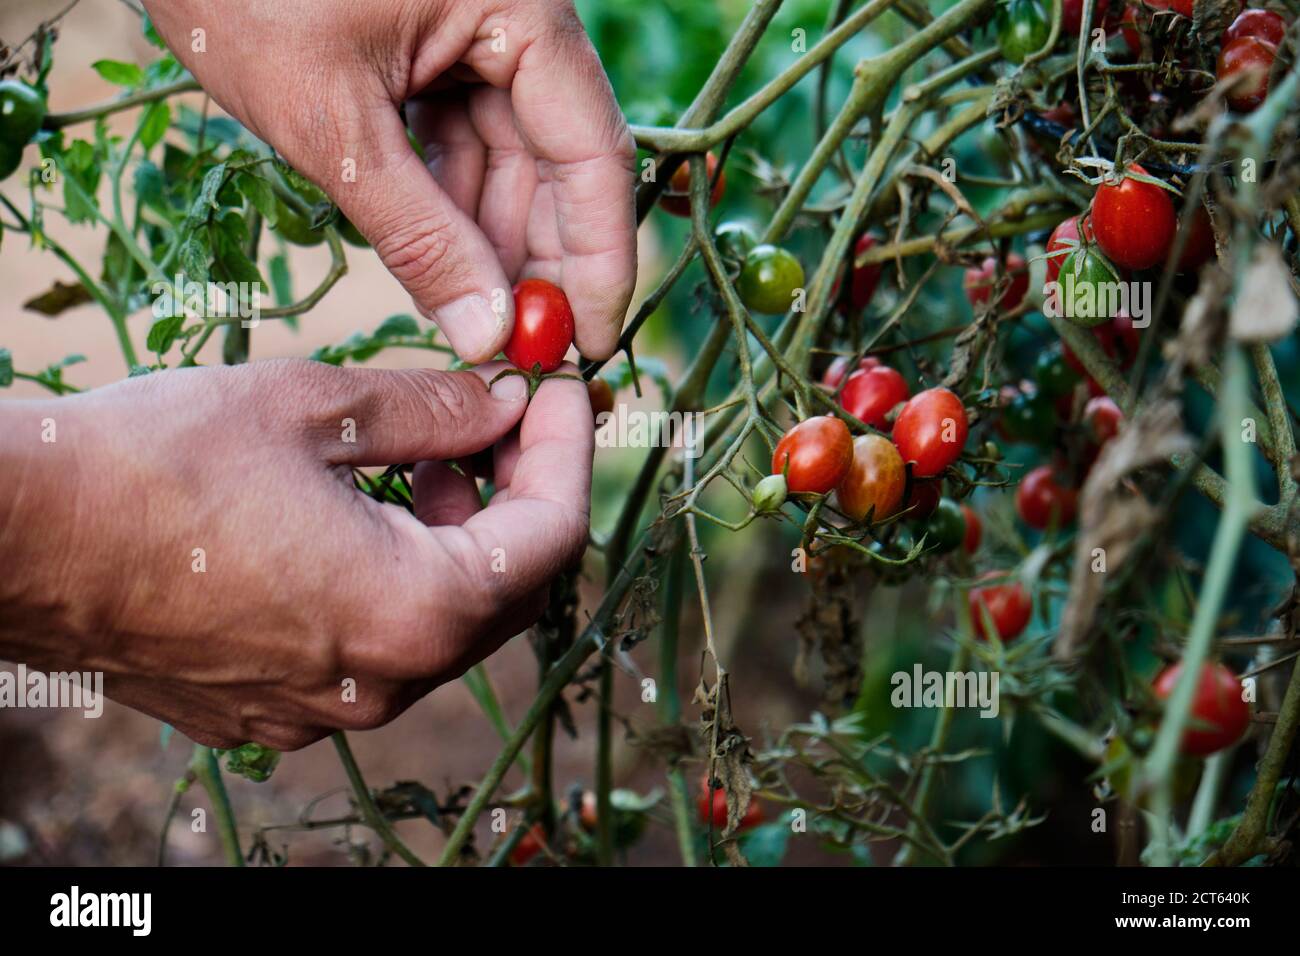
x,y
472,326
510,388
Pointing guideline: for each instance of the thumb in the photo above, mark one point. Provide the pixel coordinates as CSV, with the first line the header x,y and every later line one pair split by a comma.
x,y
414,415
426,241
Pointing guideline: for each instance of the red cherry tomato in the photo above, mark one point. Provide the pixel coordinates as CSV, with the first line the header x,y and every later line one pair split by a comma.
x,y
1103,418
543,326
870,394
862,287
676,199
1041,500
529,845
921,500
836,371
815,455
931,431
974,529
713,809
1263,24
1008,604
980,282
1251,58
1134,222
1065,238
1072,14
1218,718
875,482
1198,249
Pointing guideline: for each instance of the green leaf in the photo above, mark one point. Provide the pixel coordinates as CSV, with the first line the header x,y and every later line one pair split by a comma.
x,y
149,187
151,34
260,195
234,264
162,71
119,73
397,325
156,121
281,284
163,333
765,845
194,258
6,368
206,201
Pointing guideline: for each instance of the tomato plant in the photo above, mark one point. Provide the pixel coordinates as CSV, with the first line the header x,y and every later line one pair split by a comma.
x,y
947,526
1219,716
981,281
1043,500
1007,605
1245,63
931,430
676,198
815,455
1023,27
1266,25
543,328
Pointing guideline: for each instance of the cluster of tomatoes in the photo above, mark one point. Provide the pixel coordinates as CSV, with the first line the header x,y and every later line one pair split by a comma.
x,y
22,111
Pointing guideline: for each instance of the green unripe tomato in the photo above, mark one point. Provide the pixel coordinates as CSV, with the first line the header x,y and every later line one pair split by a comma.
x,y
1053,374
768,280
734,240
946,528
295,228
351,234
1030,418
11,155
1023,27
1081,288
769,494
22,110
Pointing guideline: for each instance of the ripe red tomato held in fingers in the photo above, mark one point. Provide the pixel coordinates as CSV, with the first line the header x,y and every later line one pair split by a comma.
x,y
1072,14
1263,24
1218,718
931,431
1134,221
529,845
839,368
1008,604
974,529
712,809
676,199
871,394
1041,500
980,282
1103,418
875,481
543,326
815,455
1246,61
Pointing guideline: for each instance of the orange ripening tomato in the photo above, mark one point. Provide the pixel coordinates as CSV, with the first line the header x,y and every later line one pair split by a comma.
x,y
875,481
815,455
676,199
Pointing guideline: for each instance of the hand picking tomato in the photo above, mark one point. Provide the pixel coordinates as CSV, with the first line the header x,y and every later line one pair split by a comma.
x,y
1219,717
1042,501
875,481
1103,418
1134,221
1262,24
980,282
543,326
676,199
839,368
931,431
815,455
712,808
1008,604
974,529
1072,15
1246,60
871,394
769,280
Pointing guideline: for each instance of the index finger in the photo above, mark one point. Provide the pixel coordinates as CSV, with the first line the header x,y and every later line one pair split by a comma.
x,y
567,113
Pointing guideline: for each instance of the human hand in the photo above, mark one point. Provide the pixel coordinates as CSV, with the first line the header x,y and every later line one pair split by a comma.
x,y
530,164
196,535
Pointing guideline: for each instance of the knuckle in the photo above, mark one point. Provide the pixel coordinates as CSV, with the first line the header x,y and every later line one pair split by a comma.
x,y
371,712
418,257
